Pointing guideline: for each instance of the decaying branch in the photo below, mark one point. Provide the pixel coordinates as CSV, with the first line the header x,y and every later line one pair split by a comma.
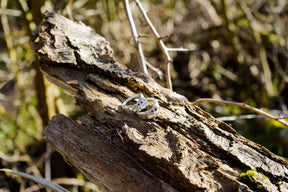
x,y
182,149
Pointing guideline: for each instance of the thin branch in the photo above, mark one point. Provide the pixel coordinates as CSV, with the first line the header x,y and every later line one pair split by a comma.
x,y
156,70
179,49
237,117
168,60
48,164
68,9
8,38
227,73
10,12
163,37
136,38
77,182
142,35
242,105
14,158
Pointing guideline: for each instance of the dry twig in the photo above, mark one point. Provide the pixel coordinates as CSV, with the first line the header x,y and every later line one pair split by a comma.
x,y
165,50
8,37
136,37
159,39
243,105
156,70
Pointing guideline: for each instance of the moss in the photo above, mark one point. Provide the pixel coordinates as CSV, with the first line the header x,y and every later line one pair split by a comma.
x,y
253,179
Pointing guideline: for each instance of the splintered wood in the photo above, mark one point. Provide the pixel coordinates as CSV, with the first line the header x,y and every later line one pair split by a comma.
x,y
183,148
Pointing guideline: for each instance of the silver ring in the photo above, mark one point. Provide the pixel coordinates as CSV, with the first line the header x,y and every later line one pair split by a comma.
x,y
140,104
150,112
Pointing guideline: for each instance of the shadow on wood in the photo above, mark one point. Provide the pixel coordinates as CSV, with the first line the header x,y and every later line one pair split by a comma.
x,y
183,148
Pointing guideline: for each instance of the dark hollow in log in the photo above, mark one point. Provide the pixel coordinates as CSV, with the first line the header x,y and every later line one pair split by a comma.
x,y
183,148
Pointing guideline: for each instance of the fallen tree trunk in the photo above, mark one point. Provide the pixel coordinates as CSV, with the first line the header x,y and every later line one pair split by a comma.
x,y
183,148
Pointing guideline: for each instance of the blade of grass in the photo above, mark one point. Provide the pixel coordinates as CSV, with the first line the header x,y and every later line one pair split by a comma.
x,y
47,184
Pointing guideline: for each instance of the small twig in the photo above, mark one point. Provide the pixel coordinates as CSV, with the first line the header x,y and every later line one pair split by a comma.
x,y
226,73
242,105
168,60
140,35
158,71
10,12
236,117
179,49
136,38
8,38
68,9
48,164
163,37
248,116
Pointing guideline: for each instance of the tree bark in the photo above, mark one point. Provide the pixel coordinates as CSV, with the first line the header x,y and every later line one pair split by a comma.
x,y
183,148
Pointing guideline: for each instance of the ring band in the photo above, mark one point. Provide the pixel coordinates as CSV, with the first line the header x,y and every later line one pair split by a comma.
x,y
150,112
140,104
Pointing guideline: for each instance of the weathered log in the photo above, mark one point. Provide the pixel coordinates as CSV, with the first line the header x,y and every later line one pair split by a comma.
x,y
183,148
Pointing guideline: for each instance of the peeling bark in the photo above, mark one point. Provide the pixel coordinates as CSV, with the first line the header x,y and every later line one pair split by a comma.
x,y
183,148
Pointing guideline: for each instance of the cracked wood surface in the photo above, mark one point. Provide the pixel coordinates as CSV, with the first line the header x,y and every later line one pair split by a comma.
x,y
182,149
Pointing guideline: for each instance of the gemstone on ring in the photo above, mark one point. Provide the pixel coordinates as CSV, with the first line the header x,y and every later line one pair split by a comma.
x,y
150,112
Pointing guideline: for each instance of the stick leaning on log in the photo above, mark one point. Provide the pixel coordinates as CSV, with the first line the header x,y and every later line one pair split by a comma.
x,y
183,148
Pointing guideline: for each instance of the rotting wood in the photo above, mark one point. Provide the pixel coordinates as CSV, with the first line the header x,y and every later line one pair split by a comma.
x,y
182,149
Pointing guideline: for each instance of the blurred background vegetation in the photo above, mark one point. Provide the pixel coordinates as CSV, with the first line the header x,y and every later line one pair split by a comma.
x,y
238,53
